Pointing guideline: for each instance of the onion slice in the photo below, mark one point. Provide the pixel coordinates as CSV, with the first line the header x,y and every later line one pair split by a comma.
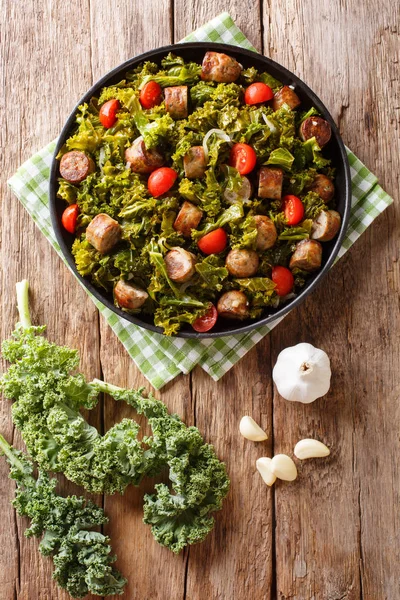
x,y
220,134
271,126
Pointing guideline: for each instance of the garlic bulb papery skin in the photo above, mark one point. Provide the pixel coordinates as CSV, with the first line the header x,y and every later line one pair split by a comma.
x,y
302,373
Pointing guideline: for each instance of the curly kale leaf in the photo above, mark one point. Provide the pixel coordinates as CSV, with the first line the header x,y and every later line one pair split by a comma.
x,y
181,515
82,557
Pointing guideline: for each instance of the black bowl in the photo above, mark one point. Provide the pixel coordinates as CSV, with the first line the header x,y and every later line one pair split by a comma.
x,y
334,150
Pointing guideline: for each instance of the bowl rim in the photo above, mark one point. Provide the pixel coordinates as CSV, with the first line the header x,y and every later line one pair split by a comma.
x,y
149,55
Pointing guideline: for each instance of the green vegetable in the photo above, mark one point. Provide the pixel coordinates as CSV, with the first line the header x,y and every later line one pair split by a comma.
x,y
282,158
82,557
48,395
199,483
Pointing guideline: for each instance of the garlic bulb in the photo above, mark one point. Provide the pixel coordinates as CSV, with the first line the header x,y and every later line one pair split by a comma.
x,y
302,373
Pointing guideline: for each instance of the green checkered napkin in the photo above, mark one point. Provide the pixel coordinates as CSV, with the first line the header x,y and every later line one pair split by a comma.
x,y
160,358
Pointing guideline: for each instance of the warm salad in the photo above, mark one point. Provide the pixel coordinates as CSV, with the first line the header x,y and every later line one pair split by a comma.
x,y
198,192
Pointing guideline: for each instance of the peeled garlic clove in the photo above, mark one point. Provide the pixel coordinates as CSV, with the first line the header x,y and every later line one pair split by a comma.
x,y
264,468
283,467
251,431
310,449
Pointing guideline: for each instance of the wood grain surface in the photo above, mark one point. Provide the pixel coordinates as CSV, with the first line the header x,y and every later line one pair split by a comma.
x,y
332,534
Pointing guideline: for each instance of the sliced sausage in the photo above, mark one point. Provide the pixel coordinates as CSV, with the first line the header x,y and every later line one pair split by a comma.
x,y
180,264
286,96
142,160
75,166
326,225
316,127
176,101
266,232
307,256
323,186
270,183
233,305
243,194
129,296
188,218
242,263
195,163
220,67
103,233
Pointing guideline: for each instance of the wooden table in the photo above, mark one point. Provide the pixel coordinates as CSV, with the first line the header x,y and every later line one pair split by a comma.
x,y
333,534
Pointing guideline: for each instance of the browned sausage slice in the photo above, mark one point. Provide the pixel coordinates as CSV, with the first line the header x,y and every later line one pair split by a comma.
x,y
307,256
180,264
242,195
315,127
242,263
323,186
266,232
129,296
75,166
233,305
188,218
326,225
142,160
270,183
103,233
194,162
176,101
286,96
220,67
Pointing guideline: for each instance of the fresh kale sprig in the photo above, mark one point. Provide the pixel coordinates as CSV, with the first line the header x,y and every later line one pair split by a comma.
x,y
47,399
181,515
82,557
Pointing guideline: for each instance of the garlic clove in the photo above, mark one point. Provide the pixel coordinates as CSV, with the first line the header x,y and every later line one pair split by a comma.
x,y
309,448
264,468
283,467
251,431
302,373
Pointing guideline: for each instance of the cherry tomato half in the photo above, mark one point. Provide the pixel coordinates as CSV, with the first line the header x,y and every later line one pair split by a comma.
x,y
213,242
69,217
108,113
293,208
243,158
150,95
161,180
207,321
257,93
283,279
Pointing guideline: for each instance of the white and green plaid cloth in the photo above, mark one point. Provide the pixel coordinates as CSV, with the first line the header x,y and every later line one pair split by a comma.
x,y
160,358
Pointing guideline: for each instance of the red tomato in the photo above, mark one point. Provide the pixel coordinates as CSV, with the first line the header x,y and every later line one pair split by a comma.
x,y
213,242
161,180
108,112
207,321
257,93
69,217
150,95
293,208
243,158
283,279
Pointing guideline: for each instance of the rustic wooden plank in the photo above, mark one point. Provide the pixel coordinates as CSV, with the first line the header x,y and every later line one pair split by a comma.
x,y
152,572
237,559
47,66
334,535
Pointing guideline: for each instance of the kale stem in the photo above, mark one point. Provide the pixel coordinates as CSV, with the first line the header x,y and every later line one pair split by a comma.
x,y
107,388
23,303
